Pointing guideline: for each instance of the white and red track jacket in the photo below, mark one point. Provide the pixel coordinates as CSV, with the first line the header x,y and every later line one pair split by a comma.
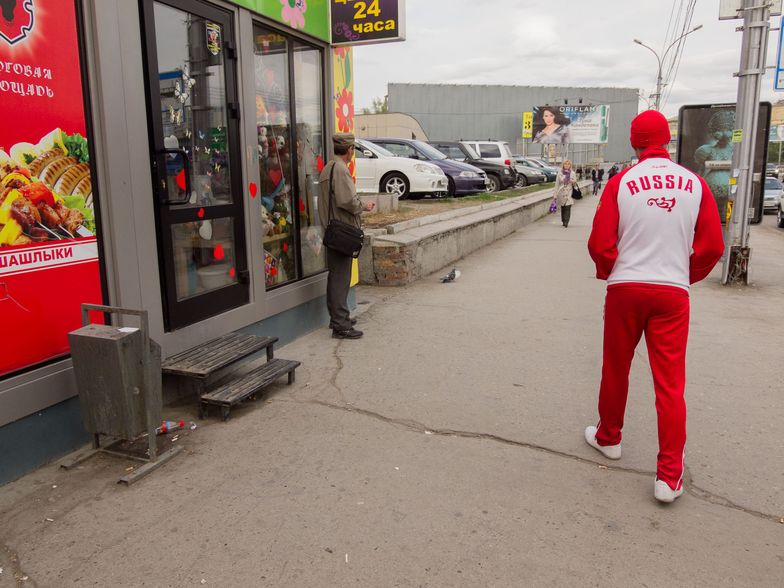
x,y
656,223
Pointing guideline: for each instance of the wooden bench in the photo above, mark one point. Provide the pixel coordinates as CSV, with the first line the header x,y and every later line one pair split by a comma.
x,y
232,393
194,370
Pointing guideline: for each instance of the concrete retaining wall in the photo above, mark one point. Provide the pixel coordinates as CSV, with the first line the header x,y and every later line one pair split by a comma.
x,y
407,251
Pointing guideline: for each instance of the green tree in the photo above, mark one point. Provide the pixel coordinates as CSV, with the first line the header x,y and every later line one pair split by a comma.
x,y
379,106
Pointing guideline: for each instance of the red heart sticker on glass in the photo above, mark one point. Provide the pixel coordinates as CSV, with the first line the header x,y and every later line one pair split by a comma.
x,y
285,247
181,180
200,214
232,272
218,252
253,188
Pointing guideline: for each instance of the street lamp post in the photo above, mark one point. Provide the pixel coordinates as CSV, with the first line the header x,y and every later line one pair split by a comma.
x,y
661,60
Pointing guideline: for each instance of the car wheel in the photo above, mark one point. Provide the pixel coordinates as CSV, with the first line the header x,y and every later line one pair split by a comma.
x,y
780,218
395,183
493,183
522,181
450,189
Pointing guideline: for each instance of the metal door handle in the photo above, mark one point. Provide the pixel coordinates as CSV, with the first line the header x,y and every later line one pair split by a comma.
x,y
186,166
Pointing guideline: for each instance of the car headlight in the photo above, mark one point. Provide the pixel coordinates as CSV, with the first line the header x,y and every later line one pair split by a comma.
x,y
426,169
469,174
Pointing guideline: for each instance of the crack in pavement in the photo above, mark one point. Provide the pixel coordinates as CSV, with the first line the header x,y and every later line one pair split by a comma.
x,y
692,489
414,426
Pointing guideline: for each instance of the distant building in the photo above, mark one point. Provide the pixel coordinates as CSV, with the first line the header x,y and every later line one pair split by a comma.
x,y
449,112
388,124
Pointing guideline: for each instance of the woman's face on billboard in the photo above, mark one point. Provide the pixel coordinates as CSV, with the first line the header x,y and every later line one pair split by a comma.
x,y
548,117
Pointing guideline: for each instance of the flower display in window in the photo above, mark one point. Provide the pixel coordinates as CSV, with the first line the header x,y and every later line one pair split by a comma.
x,y
293,12
345,111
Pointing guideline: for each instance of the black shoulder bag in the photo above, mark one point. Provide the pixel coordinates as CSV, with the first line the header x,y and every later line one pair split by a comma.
x,y
342,237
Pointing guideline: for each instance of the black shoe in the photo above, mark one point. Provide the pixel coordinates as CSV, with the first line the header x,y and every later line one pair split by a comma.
x,y
347,334
353,322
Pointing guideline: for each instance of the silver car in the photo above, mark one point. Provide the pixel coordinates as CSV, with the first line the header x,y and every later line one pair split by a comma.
x,y
774,189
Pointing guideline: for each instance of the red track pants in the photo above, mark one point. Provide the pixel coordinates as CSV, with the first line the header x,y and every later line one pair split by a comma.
x,y
662,313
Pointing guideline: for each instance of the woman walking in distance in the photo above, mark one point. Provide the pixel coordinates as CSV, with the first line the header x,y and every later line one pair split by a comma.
x,y
656,232
564,182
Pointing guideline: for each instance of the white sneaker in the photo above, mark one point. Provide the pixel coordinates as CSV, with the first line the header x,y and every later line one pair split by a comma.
x,y
663,493
608,451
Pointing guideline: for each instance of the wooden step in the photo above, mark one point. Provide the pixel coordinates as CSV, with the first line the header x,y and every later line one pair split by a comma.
x,y
252,383
212,356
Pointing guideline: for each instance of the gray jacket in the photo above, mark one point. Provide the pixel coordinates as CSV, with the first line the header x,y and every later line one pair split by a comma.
x,y
346,207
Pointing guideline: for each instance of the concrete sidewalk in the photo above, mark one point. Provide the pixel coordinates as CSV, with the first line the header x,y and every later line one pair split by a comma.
x,y
445,449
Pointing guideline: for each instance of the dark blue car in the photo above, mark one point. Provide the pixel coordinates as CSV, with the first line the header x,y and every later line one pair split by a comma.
x,y
463,178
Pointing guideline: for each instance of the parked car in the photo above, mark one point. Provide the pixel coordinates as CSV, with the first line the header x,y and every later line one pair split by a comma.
x,y
774,189
529,175
490,150
770,170
549,171
499,177
379,170
462,178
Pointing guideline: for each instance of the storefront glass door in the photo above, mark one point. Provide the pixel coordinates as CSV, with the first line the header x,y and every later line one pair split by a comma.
x,y
197,185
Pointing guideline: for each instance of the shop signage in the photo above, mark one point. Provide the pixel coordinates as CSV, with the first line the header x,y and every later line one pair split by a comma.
x,y
48,248
358,22
585,124
776,133
308,16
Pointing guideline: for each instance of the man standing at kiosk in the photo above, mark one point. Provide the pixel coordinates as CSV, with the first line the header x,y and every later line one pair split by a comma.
x,y
336,182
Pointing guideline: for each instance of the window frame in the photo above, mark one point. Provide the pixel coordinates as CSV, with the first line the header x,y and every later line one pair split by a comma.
x,y
291,40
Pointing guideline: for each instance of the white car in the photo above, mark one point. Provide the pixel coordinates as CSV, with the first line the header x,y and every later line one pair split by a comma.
x,y
380,171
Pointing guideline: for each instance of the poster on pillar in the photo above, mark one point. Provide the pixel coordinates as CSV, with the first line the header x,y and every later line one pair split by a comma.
x,y
705,147
48,246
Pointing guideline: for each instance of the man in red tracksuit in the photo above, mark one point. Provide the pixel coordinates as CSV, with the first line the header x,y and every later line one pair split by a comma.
x,y
656,231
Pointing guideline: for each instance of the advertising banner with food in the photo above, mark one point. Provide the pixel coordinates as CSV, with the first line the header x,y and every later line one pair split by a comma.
x,y
48,247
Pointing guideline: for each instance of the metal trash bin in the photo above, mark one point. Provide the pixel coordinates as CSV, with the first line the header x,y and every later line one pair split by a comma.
x,y
118,377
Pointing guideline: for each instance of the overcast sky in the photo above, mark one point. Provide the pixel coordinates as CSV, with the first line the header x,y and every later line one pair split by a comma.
x,y
586,43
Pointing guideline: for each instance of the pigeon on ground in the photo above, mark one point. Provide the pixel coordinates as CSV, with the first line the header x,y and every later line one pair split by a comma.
x,y
451,276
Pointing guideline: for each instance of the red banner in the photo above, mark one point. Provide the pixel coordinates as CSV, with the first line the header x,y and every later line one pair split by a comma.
x,y
48,249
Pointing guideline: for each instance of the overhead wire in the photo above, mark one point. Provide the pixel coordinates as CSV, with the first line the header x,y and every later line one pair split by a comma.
x,y
679,53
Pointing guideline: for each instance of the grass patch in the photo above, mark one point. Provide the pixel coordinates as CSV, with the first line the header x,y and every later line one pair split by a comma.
x,y
483,197
410,209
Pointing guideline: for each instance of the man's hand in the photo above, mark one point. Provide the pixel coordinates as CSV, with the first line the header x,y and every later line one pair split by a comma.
x,y
370,206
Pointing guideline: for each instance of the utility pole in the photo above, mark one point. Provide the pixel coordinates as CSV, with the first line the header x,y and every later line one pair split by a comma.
x,y
756,25
660,61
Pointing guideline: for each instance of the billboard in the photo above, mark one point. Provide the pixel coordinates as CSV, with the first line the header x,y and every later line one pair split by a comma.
x,y
360,22
584,124
48,246
705,146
